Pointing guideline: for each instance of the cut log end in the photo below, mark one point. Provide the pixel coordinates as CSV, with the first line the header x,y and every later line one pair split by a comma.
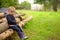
x,y
5,34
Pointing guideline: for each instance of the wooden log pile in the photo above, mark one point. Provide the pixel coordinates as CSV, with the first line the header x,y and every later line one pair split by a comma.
x,y
6,34
4,27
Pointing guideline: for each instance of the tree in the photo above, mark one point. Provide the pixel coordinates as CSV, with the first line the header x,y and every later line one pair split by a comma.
x,y
7,3
0,2
48,3
55,3
45,2
25,5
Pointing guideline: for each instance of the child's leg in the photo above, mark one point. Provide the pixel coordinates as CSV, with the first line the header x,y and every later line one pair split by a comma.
x,y
19,30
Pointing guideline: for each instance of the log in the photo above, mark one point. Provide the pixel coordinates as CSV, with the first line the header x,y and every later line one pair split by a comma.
x,y
27,19
1,21
3,26
18,15
22,23
2,15
6,34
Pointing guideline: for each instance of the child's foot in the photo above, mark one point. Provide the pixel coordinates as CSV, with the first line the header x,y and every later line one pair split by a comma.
x,y
25,38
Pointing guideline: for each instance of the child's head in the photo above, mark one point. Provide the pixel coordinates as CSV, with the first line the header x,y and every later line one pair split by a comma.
x,y
11,10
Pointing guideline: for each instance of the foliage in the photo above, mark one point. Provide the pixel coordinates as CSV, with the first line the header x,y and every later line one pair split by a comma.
x,y
25,5
7,3
48,3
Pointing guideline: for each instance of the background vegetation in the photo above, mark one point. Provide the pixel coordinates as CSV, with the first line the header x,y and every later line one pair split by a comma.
x,y
25,5
48,4
43,26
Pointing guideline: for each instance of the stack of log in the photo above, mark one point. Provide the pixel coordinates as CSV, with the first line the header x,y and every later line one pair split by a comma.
x,y
5,32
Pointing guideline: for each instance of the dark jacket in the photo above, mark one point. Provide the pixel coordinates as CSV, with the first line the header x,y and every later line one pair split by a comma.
x,y
11,19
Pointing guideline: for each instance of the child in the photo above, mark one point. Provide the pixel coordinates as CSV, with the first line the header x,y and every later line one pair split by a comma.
x,y
12,23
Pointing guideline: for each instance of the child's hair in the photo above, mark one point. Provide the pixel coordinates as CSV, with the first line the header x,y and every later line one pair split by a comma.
x,y
11,7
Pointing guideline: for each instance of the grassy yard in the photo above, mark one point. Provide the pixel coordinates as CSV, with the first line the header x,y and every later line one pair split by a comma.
x,y
43,26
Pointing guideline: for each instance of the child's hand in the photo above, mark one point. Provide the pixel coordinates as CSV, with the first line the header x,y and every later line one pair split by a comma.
x,y
17,20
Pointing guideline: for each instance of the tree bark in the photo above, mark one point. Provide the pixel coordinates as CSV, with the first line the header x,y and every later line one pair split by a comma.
x,y
55,3
3,26
6,34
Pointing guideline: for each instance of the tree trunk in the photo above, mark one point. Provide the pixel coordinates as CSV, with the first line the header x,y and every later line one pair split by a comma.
x,y
0,4
55,3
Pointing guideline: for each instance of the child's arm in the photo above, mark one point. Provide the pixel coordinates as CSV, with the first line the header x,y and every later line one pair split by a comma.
x,y
10,19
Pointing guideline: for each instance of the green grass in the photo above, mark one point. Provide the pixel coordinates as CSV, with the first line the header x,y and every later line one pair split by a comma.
x,y
43,26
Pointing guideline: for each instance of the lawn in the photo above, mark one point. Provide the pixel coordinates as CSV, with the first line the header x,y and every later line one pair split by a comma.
x,y
43,26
